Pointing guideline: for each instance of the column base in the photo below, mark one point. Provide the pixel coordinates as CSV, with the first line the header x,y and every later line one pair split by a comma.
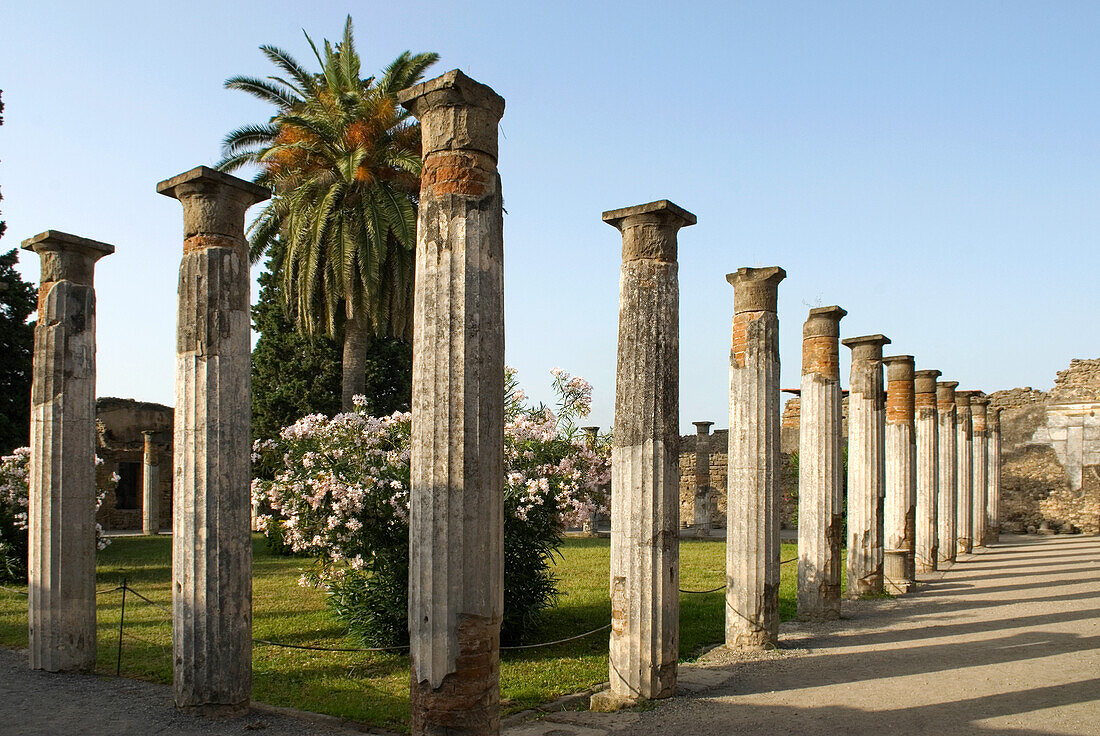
x,y
215,710
606,701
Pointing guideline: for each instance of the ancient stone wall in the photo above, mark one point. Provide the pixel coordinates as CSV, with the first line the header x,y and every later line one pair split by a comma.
x,y
121,446
717,445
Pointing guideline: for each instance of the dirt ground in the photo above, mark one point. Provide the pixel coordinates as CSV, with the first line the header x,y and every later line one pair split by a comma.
x,y
1007,641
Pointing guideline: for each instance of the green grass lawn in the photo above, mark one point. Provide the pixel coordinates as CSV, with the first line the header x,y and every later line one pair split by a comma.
x,y
374,687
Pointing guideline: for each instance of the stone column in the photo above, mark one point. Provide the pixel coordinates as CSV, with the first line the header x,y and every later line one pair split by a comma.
x,y
926,419
702,479
964,473
590,525
752,500
211,515
645,462
866,464
456,526
900,509
978,406
150,487
61,477
993,475
820,468
949,459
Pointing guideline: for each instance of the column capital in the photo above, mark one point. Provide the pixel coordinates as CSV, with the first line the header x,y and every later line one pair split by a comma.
x,y
924,382
456,113
214,204
649,230
703,428
899,367
67,257
866,347
993,418
945,394
963,399
756,289
823,322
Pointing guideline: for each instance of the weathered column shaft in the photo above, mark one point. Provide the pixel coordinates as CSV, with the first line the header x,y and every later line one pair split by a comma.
x,y
820,468
752,500
926,420
702,478
900,510
965,453
150,486
61,478
866,464
993,475
978,406
211,543
456,527
948,486
645,488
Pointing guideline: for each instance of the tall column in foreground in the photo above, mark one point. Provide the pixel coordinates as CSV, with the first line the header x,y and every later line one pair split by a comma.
x,y
820,468
965,502
752,500
150,486
702,478
645,461
928,469
900,511
212,504
866,464
993,475
948,486
61,478
456,526
978,406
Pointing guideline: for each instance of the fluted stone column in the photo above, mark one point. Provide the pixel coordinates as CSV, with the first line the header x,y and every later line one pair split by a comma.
x,y
866,464
150,486
702,479
211,541
993,475
456,532
645,475
926,420
61,477
591,436
965,453
901,477
978,406
948,486
820,468
752,499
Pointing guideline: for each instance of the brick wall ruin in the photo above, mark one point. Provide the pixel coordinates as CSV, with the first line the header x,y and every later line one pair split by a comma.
x,y
121,446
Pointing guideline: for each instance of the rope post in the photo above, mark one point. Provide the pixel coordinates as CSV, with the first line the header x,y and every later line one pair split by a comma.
x,y
121,620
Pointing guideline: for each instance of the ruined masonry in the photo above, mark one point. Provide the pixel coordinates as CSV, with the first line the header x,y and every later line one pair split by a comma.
x,y
645,459
752,504
212,546
61,479
964,504
901,475
948,463
820,468
866,465
926,421
456,533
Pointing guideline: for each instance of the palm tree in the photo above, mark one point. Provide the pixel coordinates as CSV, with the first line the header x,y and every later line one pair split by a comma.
x,y
342,159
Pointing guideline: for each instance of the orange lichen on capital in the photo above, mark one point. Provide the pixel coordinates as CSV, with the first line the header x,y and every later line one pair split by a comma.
x,y
821,355
468,173
899,402
202,242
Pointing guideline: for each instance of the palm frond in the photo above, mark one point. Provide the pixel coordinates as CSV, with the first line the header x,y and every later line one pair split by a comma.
x,y
264,90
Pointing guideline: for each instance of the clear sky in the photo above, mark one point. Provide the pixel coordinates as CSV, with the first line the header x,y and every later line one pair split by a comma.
x,y
933,168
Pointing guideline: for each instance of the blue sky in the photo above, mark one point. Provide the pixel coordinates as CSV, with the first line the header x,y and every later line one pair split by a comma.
x,y
933,168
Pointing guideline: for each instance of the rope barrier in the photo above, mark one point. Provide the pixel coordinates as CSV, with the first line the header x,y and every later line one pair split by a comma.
x,y
401,647
559,641
700,592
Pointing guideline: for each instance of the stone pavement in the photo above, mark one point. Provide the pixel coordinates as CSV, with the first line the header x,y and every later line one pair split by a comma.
x,y
1006,641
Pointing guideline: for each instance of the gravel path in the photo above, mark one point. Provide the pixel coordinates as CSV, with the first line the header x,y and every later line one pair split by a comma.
x,y
1006,641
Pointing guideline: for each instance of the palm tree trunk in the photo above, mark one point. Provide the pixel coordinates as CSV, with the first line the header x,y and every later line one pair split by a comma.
x,y
356,342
